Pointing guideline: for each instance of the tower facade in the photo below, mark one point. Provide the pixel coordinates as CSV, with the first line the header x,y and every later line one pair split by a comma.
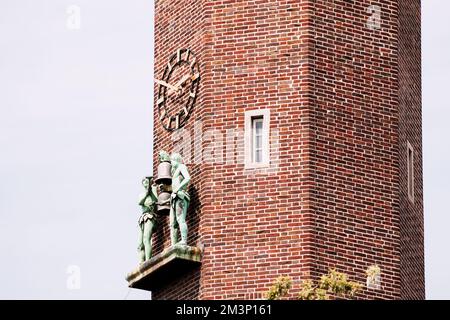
x,y
303,140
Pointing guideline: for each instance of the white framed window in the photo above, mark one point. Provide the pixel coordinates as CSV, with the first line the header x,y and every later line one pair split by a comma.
x,y
410,169
257,137
257,132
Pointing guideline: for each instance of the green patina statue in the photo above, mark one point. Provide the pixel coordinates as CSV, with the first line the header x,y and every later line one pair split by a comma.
x,y
164,156
179,199
148,219
169,190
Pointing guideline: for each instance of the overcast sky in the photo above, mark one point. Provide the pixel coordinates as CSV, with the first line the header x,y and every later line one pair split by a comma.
x,y
76,138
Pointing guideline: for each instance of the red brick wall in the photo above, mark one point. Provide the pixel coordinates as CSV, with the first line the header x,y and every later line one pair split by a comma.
x,y
410,110
185,286
332,86
255,225
356,142
179,24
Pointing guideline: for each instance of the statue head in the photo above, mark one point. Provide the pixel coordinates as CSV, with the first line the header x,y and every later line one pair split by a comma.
x,y
164,156
175,159
147,181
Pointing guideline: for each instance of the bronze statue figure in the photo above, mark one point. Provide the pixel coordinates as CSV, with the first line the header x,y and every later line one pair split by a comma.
x,y
148,219
179,200
166,195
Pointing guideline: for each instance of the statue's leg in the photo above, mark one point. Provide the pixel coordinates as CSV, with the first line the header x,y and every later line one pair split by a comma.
x,y
148,232
141,244
173,225
181,208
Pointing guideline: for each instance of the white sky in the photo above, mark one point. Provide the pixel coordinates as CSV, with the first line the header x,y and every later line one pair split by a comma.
x,y
76,138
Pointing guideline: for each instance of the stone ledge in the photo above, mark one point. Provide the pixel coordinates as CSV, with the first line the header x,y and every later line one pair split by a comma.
x,y
172,263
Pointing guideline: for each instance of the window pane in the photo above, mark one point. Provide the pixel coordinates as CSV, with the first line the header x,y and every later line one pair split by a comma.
x,y
410,168
258,126
258,156
410,171
258,142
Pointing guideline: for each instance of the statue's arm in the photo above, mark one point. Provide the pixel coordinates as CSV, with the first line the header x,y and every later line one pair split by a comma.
x,y
154,193
186,177
142,197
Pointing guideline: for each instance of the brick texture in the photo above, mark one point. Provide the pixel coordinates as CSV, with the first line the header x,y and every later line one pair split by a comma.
x,y
410,113
343,99
356,142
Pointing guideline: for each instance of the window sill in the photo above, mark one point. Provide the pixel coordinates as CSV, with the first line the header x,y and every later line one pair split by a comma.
x,y
260,165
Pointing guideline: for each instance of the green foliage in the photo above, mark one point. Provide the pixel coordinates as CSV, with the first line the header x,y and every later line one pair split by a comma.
x,y
279,288
310,292
334,282
373,276
373,271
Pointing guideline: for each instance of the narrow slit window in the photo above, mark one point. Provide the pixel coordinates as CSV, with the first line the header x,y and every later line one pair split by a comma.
x,y
257,139
257,142
410,164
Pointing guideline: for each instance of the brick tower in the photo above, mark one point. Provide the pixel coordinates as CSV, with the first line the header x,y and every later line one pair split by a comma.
x,y
304,143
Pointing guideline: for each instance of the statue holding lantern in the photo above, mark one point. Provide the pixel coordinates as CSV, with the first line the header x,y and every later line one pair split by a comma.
x,y
179,199
166,195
